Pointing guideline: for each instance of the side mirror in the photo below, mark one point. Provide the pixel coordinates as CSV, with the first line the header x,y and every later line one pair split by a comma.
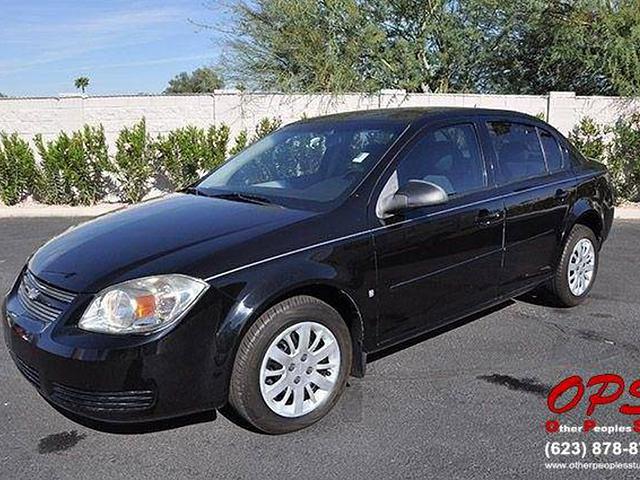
x,y
416,193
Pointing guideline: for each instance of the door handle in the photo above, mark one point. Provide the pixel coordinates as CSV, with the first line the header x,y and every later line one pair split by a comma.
x,y
487,217
562,194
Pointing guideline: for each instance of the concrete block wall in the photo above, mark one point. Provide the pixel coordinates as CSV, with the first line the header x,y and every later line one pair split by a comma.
x,y
49,116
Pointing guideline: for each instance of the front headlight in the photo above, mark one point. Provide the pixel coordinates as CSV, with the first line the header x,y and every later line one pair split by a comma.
x,y
142,305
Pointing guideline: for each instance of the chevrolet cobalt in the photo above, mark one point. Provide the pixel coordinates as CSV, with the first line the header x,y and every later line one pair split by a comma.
x,y
267,283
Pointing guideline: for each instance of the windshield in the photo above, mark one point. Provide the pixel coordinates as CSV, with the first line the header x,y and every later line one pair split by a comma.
x,y
305,165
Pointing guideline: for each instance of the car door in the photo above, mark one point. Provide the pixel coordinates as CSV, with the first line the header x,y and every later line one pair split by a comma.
x,y
436,263
536,188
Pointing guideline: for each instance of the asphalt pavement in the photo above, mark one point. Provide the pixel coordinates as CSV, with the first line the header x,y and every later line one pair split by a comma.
x,y
467,402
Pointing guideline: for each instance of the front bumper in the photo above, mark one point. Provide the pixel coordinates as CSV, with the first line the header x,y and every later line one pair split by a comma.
x,y
113,378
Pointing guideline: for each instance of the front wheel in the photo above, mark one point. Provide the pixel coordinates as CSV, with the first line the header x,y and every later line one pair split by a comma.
x,y
577,268
291,366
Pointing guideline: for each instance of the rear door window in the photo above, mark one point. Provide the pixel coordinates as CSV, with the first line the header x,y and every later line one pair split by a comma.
x,y
552,151
518,150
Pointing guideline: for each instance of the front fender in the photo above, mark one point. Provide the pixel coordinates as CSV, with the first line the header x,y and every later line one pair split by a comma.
x,y
347,268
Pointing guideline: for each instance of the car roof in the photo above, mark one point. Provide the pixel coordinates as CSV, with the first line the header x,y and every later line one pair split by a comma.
x,y
414,114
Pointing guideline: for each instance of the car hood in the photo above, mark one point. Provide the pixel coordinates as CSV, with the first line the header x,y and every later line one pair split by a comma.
x,y
176,234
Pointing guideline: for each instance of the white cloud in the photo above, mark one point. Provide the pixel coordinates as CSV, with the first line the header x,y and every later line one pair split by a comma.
x,y
114,22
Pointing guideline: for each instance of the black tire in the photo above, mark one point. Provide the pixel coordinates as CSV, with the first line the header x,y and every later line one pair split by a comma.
x,y
244,394
559,286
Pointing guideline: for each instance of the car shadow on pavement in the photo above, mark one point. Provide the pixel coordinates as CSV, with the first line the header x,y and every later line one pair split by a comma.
x,y
373,357
141,427
541,297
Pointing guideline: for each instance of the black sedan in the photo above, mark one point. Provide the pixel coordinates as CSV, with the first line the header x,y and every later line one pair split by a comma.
x,y
267,283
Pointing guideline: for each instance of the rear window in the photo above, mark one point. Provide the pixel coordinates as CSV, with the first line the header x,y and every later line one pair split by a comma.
x,y
573,156
552,151
518,150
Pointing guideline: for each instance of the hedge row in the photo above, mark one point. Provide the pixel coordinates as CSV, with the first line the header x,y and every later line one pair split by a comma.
x,y
618,147
76,168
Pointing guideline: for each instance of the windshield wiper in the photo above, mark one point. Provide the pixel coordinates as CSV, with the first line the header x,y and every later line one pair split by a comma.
x,y
192,191
243,197
235,196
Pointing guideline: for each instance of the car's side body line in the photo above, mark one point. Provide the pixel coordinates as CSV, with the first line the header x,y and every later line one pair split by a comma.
x,y
395,225
480,308
444,269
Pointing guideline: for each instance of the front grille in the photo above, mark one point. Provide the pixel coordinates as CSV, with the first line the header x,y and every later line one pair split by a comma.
x,y
87,400
42,300
29,372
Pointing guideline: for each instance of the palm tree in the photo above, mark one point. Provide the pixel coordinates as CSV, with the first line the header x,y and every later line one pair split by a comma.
x,y
81,83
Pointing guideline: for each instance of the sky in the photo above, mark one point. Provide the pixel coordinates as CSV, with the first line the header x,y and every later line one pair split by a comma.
x,y
133,46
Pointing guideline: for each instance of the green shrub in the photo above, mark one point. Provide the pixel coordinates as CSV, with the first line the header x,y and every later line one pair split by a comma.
x,y
133,163
181,153
624,157
17,168
91,181
588,138
265,127
217,144
72,168
621,154
55,174
240,143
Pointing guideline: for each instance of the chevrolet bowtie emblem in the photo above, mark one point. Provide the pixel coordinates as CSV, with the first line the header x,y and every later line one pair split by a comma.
x,y
31,292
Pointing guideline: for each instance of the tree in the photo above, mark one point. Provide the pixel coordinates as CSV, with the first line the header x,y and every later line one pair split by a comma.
x,y
305,46
522,46
621,52
443,45
201,80
2,95
351,45
592,48
81,83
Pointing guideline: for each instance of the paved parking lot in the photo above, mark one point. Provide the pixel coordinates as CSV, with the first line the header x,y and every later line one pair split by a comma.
x,y
466,403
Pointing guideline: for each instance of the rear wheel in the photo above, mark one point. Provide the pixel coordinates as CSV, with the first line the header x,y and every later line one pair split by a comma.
x,y
291,366
577,268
